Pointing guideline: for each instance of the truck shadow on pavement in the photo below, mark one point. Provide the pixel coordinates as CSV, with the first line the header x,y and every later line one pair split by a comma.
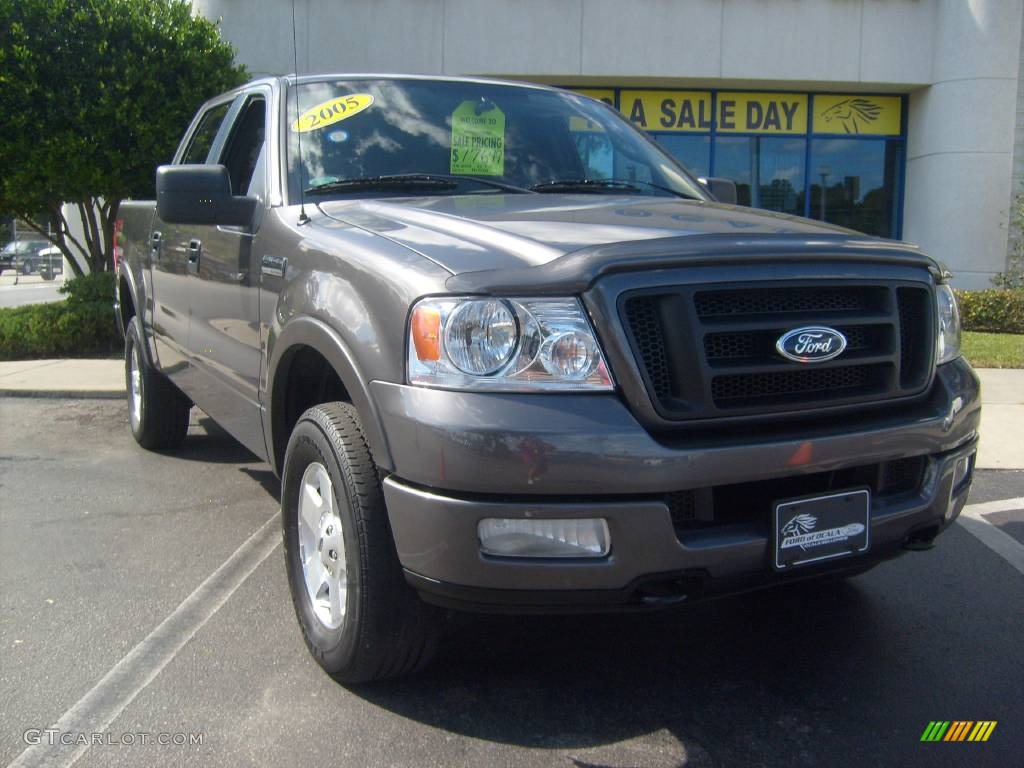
x,y
208,443
725,676
211,444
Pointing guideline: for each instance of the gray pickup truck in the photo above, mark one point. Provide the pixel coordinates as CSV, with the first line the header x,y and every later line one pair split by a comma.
x,y
505,354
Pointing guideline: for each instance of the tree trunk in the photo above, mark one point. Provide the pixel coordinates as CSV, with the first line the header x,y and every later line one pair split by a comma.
x,y
60,238
96,245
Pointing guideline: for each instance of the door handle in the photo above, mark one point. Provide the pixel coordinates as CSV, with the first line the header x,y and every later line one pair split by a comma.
x,y
274,266
195,250
154,243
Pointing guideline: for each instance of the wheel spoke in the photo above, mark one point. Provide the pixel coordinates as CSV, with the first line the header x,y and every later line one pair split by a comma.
x,y
310,508
314,573
337,607
323,481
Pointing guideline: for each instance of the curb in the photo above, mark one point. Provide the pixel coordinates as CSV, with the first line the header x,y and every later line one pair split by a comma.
x,y
65,394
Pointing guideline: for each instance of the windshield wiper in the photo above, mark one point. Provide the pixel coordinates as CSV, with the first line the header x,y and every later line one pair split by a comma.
x,y
424,181
398,181
485,182
586,185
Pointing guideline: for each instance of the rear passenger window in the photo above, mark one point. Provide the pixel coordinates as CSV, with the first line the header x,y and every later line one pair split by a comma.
x,y
202,139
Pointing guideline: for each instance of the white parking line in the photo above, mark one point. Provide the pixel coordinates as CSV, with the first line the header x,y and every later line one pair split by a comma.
x,y
972,518
126,679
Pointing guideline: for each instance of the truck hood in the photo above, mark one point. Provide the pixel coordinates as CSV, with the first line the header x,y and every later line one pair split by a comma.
x,y
485,240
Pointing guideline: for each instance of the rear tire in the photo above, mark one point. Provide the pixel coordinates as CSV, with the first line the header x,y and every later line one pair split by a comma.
x,y
158,412
359,617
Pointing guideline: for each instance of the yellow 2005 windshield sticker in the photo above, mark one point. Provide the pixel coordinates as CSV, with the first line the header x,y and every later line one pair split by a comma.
x,y
478,139
332,111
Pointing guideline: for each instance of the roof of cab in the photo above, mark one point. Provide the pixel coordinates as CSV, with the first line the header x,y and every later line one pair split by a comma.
x,y
319,78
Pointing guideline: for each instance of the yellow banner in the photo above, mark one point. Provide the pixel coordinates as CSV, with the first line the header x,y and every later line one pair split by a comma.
x,y
673,111
680,111
863,115
781,113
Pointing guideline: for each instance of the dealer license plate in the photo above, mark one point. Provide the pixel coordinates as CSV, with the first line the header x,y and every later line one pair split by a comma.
x,y
818,528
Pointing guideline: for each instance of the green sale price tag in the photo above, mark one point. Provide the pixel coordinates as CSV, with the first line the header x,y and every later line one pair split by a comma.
x,y
478,139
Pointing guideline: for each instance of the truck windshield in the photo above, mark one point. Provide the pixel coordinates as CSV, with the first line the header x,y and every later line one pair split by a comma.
x,y
380,138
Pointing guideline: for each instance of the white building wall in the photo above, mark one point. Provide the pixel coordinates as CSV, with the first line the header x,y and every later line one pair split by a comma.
x,y
959,59
1017,179
960,142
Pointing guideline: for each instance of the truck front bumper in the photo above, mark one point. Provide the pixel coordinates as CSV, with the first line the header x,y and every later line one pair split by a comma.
x,y
462,457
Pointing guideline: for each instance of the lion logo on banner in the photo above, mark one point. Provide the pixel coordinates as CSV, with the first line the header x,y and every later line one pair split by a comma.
x,y
852,114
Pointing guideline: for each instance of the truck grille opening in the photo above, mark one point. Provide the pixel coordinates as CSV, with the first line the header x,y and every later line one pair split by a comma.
x,y
745,503
752,389
914,346
710,352
643,320
760,301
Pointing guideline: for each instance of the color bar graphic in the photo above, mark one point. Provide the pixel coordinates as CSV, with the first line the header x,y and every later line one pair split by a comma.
x,y
958,730
935,730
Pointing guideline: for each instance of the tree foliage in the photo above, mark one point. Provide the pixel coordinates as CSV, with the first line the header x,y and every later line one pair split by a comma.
x,y
1013,277
94,95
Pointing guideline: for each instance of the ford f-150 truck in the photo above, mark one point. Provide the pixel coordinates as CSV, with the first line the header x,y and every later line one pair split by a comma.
x,y
505,354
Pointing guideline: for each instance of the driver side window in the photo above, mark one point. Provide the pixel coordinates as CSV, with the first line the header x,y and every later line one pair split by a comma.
x,y
202,139
244,148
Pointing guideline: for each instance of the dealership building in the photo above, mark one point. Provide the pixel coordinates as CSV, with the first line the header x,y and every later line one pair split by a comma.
x,y
899,118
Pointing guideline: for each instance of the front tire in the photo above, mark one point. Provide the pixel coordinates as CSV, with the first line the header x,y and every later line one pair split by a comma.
x,y
359,618
158,412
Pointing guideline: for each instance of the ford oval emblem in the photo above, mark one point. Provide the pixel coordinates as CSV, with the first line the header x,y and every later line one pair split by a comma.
x,y
813,344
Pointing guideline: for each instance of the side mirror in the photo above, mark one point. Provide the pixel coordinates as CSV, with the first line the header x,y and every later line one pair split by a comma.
x,y
200,194
723,190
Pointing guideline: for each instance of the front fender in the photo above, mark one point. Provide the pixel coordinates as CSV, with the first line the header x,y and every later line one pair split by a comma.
x,y
304,331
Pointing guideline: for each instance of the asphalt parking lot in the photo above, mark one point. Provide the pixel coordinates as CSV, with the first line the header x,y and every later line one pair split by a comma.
x,y
101,542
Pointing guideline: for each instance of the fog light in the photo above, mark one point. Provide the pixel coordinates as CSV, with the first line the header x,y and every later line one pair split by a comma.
x,y
544,538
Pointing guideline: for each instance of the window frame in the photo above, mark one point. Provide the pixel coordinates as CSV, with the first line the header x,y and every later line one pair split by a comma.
x,y
237,113
193,128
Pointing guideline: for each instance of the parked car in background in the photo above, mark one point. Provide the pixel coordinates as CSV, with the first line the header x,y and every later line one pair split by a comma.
x,y
23,255
51,262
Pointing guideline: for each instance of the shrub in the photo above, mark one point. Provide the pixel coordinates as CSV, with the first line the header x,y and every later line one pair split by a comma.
x,y
1013,277
97,287
995,310
81,326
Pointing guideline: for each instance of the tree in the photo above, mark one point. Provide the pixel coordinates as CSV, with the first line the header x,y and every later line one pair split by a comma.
x,y
1013,277
94,95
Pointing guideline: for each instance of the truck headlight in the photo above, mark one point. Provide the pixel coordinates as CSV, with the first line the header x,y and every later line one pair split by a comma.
x,y
498,344
948,346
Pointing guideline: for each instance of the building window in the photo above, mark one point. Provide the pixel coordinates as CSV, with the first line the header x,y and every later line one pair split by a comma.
x,y
768,171
694,152
833,157
855,183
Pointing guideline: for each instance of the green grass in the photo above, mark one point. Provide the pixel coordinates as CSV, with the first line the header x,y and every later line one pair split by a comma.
x,y
994,350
